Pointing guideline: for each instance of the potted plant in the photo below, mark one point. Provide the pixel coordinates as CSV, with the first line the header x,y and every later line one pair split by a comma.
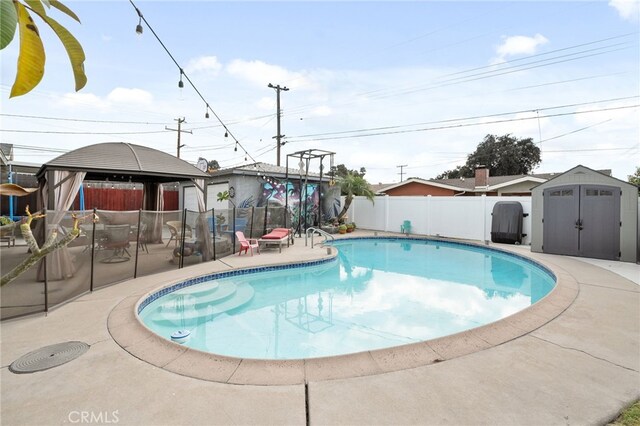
x,y
350,227
342,229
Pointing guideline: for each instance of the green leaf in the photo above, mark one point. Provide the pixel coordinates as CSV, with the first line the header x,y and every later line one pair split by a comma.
x,y
37,7
8,22
61,7
31,57
46,3
74,50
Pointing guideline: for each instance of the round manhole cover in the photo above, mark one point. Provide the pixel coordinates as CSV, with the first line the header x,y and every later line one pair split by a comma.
x,y
48,357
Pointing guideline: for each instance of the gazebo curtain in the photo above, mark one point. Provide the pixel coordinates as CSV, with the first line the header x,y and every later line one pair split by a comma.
x,y
202,225
65,186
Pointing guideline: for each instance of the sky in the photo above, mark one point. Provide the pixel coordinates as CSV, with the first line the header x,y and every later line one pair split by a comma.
x,y
381,84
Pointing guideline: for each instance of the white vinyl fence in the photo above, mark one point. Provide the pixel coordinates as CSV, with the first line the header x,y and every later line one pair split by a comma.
x,y
452,217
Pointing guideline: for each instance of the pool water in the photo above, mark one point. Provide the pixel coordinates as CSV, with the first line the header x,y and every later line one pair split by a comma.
x,y
378,293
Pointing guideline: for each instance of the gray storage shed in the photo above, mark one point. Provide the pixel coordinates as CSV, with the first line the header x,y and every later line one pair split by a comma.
x,y
585,213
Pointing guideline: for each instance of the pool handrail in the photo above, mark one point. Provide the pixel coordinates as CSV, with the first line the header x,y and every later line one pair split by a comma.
x,y
313,230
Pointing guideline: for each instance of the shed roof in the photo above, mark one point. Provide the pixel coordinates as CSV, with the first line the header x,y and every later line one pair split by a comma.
x,y
123,160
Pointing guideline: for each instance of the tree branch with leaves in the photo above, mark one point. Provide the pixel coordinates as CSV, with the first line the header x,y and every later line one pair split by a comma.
x,y
49,245
16,15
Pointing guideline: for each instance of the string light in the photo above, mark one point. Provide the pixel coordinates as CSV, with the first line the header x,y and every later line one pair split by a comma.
x,y
139,26
181,83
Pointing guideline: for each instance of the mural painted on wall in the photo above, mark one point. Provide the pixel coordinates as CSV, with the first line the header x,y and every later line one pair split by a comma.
x,y
303,205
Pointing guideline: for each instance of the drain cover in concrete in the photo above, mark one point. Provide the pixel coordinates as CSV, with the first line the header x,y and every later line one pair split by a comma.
x,y
48,357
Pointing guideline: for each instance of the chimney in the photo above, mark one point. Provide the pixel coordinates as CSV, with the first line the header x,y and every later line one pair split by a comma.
x,y
482,177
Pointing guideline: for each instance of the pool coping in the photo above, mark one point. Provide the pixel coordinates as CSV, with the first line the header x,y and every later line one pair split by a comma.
x,y
134,337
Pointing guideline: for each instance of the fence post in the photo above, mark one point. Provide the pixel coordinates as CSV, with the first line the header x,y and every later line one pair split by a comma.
x,y
135,266
213,221
46,282
93,245
233,229
184,227
264,229
251,227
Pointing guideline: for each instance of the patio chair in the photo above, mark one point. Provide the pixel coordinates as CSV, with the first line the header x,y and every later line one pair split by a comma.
x,y
175,227
246,244
278,237
116,238
405,228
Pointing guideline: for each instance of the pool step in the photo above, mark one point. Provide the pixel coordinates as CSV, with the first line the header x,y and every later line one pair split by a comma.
x,y
199,289
242,294
201,297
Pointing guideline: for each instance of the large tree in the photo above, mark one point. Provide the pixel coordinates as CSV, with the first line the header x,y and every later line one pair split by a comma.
x,y
342,171
502,155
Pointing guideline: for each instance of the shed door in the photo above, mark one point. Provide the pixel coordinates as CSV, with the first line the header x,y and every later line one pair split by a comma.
x,y
561,212
600,221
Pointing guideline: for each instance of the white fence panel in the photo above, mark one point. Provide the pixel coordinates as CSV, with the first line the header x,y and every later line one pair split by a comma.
x,y
413,209
457,217
452,217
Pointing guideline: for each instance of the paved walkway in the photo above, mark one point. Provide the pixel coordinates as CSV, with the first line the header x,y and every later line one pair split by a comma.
x,y
582,367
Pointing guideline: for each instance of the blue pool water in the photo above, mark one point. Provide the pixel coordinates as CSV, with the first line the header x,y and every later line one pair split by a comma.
x,y
378,293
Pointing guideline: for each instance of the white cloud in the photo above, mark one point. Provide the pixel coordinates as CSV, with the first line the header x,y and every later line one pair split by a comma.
x,y
89,100
627,9
266,103
261,74
322,111
204,64
519,45
130,96
106,38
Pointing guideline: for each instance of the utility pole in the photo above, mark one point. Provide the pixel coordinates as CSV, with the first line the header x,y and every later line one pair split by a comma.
x,y
179,130
278,136
401,172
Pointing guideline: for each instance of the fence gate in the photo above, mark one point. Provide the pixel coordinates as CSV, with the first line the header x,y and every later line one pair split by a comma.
x,y
582,220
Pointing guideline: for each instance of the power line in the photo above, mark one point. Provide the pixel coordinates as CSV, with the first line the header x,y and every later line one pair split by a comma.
x,y
477,117
39,117
79,133
496,72
468,124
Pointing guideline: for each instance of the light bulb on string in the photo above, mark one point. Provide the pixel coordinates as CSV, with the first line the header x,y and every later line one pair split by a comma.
x,y
226,134
236,147
180,83
139,26
206,114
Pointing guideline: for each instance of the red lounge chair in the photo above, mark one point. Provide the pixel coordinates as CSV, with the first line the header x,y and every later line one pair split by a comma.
x,y
246,244
278,237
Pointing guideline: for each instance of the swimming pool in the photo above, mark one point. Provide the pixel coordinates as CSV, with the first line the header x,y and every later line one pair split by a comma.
x,y
378,293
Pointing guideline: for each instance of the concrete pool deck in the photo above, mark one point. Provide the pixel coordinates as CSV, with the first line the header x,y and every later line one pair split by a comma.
x,y
580,367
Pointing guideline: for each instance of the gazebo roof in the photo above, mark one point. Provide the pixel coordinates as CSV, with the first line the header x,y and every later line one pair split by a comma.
x,y
121,161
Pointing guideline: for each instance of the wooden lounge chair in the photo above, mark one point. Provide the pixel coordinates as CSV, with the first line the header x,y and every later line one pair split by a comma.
x,y
278,237
246,244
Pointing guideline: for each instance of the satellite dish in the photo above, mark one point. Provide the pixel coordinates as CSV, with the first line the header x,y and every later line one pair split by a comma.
x,y
202,164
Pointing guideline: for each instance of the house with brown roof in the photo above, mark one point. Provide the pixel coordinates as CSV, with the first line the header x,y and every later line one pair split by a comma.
x,y
481,184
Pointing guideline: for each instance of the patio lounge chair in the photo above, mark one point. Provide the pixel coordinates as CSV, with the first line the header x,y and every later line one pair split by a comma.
x,y
175,227
246,244
278,237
